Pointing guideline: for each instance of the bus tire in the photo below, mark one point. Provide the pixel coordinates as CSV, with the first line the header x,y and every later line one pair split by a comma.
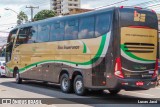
x,y
18,79
114,91
79,88
65,83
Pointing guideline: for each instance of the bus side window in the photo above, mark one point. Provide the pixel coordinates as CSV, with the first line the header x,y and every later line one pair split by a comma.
x,y
32,34
86,28
102,25
9,46
57,31
71,30
43,33
22,36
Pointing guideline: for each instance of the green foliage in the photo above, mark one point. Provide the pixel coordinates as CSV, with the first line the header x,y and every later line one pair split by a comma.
x,y
44,14
22,17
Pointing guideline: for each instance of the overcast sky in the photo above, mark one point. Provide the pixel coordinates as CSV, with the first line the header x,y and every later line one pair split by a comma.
x,y
8,18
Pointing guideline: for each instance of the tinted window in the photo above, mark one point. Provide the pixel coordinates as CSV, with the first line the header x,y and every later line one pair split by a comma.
x,y
86,28
32,34
102,25
9,47
57,31
12,36
22,36
43,33
71,30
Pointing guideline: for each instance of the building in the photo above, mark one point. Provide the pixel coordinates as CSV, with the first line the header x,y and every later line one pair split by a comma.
x,y
62,7
79,10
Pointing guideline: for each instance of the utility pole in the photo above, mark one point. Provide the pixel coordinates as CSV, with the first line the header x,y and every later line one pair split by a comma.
x,y
32,7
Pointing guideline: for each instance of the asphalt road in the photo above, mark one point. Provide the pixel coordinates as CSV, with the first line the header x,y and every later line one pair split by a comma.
x,y
52,94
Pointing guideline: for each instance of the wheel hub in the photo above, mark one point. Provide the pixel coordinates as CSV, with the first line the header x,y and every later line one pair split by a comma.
x,y
79,86
65,83
17,77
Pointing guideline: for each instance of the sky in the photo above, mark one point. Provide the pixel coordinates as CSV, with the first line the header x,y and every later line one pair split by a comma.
x,y
8,18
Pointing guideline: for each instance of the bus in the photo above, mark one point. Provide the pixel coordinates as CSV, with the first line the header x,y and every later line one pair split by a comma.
x,y
106,49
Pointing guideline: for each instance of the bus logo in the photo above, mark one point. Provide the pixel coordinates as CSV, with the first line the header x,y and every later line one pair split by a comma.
x,y
138,17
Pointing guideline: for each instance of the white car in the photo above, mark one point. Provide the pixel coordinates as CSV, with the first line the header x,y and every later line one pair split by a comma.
x,y
2,68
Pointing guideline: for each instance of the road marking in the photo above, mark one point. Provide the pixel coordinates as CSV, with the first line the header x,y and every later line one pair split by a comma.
x,y
141,93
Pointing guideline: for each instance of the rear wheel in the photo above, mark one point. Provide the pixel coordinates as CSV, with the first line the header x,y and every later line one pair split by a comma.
x,y
18,79
65,83
79,85
114,92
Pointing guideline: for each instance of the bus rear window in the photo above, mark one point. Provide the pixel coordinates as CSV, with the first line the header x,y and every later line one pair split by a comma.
x,y
136,17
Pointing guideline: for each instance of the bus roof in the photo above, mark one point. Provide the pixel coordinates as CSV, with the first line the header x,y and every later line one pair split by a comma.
x,y
65,17
74,16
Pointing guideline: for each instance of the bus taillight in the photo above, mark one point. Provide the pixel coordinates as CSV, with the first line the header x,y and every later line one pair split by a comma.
x,y
118,68
155,74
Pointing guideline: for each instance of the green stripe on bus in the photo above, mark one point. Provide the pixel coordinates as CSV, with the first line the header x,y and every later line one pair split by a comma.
x,y
132,55
95,58
84,48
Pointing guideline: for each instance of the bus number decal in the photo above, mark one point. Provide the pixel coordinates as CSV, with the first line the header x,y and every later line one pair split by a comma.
x,y
139,17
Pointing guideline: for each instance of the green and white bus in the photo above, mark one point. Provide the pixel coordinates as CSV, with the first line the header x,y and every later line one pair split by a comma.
x,y
112,48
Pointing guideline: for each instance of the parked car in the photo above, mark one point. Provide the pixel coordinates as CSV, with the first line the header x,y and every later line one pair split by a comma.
x,y
2,68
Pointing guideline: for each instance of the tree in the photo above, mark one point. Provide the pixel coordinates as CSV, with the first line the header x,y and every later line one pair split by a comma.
x,y
44,14
22,17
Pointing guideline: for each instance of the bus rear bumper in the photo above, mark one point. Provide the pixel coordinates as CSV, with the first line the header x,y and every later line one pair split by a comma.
x,y
131,84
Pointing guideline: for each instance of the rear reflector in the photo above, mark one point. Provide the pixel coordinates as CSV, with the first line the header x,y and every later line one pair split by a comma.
x,y
103,82
153,82
124,83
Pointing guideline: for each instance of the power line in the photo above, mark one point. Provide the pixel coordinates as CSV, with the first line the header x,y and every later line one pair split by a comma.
x,y
152,5
112,4
32,8
144,3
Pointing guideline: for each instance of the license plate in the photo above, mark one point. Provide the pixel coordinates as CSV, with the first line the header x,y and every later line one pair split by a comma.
x,y
139,83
